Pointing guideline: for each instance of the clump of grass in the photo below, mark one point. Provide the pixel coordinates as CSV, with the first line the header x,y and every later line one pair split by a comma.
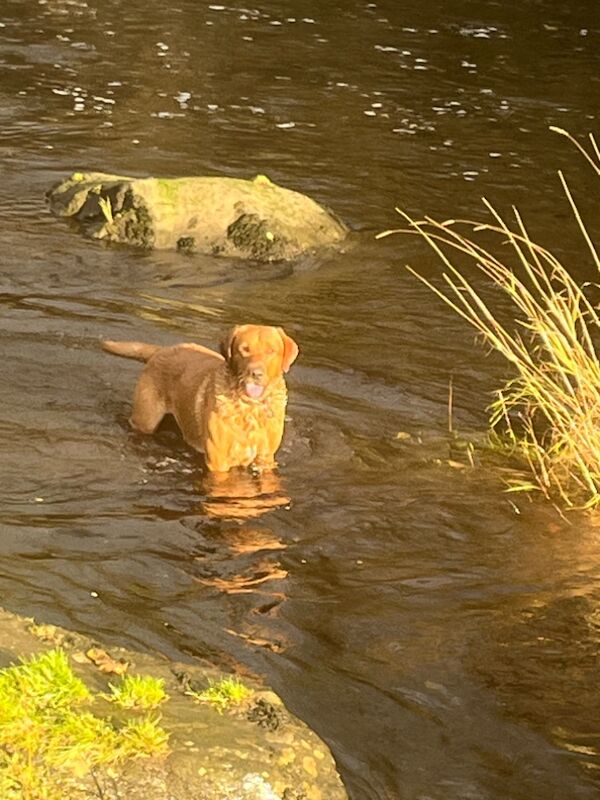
x,y
48,739
138,691
77,741
224,693
106,208
549,412
143,736
43,683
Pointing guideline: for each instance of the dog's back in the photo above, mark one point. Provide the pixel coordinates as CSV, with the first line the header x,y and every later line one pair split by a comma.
x,y
176,380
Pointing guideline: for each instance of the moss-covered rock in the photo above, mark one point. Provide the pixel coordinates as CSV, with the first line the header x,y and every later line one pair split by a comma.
x,y
221,738
253,219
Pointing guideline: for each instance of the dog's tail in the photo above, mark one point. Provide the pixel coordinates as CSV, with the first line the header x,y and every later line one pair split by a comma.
x,y
138,350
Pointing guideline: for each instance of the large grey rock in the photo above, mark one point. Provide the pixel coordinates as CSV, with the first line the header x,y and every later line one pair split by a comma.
x,y
253,219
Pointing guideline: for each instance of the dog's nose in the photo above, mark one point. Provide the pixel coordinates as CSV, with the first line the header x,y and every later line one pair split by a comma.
x,y
257,373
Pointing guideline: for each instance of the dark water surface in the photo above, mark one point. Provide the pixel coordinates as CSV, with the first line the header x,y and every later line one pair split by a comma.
x,y
442,639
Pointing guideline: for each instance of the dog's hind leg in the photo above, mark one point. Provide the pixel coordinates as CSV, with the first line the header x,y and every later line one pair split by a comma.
x,y
148,405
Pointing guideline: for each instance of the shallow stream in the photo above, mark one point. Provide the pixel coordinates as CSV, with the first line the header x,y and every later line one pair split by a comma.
x,y
440,636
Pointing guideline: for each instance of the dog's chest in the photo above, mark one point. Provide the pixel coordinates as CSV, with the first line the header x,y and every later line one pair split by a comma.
x,y
248,426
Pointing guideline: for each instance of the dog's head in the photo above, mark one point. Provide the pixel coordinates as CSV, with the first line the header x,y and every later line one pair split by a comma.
x,y
257,355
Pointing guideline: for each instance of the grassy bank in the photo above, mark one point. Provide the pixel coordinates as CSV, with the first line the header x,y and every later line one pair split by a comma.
x,y
548,413
84,721
54,730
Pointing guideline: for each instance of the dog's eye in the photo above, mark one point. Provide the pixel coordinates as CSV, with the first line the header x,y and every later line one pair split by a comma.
x,y
244,350
270,351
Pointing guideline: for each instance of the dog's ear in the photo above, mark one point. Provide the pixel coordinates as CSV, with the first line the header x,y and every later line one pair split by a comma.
x,y
227,343
290,350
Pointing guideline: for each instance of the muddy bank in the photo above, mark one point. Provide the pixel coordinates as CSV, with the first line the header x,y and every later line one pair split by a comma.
x,y
254,219
255,750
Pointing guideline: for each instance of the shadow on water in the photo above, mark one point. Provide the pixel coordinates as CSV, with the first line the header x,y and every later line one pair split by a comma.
x,y
441,636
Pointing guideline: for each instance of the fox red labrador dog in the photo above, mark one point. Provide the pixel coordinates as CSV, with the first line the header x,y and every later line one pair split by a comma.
x,y
230,406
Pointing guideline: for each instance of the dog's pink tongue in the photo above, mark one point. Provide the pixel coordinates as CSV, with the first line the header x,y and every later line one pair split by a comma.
x,y
254,390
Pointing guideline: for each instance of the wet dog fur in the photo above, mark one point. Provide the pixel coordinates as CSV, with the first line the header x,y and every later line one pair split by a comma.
x,y
229,405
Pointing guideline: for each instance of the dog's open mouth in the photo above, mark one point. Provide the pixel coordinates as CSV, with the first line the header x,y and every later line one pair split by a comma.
x,y
253,390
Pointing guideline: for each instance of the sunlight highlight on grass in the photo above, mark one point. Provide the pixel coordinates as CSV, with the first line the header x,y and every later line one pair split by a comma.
x,y
138,691
225,693
49,742
548,414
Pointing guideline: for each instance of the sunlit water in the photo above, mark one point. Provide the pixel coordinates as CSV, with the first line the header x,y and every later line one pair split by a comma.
x,y
440,636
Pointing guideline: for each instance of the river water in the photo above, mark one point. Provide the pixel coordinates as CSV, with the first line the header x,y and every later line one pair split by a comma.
x,y
442,636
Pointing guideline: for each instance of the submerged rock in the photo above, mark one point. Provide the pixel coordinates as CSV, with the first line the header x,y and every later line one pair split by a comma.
x,y
253,219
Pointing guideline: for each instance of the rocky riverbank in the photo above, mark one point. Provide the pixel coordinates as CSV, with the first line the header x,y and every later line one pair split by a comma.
x,y
247,747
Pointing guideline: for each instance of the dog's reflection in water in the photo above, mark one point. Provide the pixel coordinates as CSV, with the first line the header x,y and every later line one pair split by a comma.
x,y
244,557
241,494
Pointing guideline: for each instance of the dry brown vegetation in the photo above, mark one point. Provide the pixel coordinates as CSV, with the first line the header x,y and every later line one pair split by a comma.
x,y
548,413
